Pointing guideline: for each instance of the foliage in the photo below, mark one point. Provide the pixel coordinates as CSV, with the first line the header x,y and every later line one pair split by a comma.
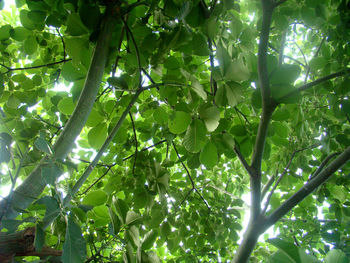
x,y
136,130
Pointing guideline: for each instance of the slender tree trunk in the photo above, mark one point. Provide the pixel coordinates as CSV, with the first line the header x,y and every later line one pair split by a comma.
x,y
34,184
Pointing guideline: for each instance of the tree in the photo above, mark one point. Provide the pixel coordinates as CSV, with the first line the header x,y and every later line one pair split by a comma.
x,y
134,130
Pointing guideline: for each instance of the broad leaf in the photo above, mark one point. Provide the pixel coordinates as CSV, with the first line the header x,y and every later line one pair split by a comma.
x,y
74,247
195,138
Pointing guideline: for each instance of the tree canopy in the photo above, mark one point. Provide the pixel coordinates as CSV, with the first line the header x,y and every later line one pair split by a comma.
x,y
149,131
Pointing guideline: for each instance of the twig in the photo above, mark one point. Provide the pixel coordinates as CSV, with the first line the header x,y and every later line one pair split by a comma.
x,y
316,82
286,56
9,69
63,44
243,161
243,115
190,178
97,180
281,51
136,50
315,55
323,164
145,149
136,143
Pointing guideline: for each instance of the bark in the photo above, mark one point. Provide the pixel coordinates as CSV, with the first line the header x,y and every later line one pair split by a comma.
x,y
21,243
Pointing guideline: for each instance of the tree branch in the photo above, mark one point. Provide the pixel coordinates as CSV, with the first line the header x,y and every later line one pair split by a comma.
x,y
308,188
34,184
9,69
191,180
316,82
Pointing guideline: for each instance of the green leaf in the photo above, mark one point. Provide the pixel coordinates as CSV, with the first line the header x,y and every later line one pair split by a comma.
x,y
118,82
39,240
211,117
25,21
160,115
5,32
228,94
71,73
195,136
74,25
200,45
37,16
132,218
5,155
66,106
291,252
237,70
285,74
41,144
148,240
336,256
198,88
121,208
179,121
116,224
98,135
74,247
50,172
89,15
95,198
209,155
30,45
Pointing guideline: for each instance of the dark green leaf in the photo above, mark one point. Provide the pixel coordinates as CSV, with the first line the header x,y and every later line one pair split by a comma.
x,y
74,248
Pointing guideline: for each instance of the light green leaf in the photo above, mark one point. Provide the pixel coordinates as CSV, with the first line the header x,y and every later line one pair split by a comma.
x,y
179,121
209,155
285,74
66,106
211,117
30,45
198,88
195,136
71,73
336,256
116,224
132,218
95,198
237,70
98,135
121,208
41,144
74,247
50,172
5,32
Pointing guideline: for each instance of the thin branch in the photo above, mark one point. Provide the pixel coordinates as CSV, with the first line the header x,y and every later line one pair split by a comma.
x,y
308,188
281,51
190,178
97,180
136,143
268,184
145,149
110,137
316,82
242,114
323,164
243,161
63,44
280,2
286,56
9,69
315,55
136,50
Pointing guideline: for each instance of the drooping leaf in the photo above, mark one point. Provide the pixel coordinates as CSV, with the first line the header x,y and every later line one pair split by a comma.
x,y
30,45
211,117
195,138
286,74
95,198
98,135
74,247
74,25
39,240
209,155
66,106
336,256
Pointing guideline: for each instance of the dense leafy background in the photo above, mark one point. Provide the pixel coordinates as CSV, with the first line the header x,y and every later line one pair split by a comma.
x,y
170,186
